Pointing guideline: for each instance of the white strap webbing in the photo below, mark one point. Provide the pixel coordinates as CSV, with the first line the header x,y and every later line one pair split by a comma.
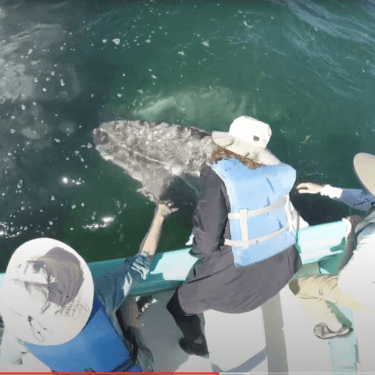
x,y
243,227
262,210
289,213
256,240
242,216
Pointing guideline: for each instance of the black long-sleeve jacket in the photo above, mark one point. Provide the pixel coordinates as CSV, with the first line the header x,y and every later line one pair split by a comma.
x,y
215,282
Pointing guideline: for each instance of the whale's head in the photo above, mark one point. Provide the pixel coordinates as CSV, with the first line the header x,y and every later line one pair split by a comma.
x,y
100,137
103,143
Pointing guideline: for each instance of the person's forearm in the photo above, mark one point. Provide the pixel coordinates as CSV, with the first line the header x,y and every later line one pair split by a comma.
x,y
355,198
151,240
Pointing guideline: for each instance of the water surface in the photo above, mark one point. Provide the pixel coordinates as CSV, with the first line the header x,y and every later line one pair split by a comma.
x,y
305,67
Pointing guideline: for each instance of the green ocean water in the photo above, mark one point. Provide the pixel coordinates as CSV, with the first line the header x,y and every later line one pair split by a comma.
x,y
307,68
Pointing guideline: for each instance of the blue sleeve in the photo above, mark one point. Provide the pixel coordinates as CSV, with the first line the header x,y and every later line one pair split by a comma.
x,y
113,287
357,198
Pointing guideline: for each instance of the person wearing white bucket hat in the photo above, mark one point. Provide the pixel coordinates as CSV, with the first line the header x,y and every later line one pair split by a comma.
x,y
53,309
354,286
244,231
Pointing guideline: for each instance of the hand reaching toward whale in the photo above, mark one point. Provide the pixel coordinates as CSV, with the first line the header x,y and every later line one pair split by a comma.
x,y
165,208
150,243
309,188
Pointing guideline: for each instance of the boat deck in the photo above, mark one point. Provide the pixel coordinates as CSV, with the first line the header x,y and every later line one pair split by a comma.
x,y
274,339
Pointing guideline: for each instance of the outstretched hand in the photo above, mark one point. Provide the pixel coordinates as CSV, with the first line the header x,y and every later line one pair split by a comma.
x,y
309,188
165,208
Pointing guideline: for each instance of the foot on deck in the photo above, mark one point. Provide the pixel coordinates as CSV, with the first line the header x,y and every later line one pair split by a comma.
x,y
193,349
143,304
322,331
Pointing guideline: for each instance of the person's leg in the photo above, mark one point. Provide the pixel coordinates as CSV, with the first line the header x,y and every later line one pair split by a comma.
x,y
313,292
132,328
130,312
190,326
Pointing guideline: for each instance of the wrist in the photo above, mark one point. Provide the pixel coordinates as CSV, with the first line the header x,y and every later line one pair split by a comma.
x,y
147,255
159,216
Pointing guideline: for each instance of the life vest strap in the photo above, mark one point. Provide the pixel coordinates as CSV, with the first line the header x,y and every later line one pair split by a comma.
x,y
245,244
289,213
243,227
262,210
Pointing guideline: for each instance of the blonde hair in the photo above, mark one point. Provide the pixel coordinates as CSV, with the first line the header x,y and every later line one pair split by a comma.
x,y
222,153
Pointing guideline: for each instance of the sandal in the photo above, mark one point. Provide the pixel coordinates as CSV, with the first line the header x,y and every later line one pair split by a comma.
x,y
322,331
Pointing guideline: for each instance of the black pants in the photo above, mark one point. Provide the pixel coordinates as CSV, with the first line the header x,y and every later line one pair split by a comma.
x,y
190,325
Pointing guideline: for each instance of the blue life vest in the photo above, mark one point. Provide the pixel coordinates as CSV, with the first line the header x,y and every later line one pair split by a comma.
x,y
97,348
260,219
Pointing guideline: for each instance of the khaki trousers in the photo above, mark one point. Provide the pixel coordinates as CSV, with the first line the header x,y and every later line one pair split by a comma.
x,y
313,292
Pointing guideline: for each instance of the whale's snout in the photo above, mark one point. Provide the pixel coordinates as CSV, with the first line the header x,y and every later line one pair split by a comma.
x,y
100,137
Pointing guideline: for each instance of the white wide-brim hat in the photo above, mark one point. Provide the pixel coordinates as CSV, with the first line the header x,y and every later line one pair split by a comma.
x,y
20,309
248,137
364,167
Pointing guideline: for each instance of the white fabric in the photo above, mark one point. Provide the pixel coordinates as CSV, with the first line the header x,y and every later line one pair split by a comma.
x,y
258,211
247,128
288,213
61,323
248,137
331,192
190,240
358,276
247,243
243,226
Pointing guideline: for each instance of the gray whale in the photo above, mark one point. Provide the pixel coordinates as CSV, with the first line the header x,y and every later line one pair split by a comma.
x,y
165,159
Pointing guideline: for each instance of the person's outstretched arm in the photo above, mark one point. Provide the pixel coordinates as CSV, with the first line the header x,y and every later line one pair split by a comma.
x,y
114,286
151,240
356,198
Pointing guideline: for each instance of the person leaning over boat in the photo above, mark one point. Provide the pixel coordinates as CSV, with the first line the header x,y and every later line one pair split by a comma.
x,y
243,231
354,286
54,312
